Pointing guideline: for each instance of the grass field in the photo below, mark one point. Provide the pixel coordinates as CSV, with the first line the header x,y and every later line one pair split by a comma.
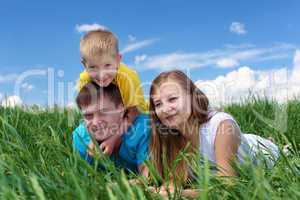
x,y
37,160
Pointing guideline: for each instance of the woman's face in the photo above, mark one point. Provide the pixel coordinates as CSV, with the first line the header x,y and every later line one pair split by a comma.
x,y
172,104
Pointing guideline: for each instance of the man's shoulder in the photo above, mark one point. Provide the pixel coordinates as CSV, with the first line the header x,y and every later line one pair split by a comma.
x,y
80,131
142,121
139,130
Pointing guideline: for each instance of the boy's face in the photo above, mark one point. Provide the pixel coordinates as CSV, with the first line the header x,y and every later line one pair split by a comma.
x,y
103,118
102,69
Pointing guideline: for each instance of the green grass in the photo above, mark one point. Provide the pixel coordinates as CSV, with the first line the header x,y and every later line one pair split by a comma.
x,y
37,160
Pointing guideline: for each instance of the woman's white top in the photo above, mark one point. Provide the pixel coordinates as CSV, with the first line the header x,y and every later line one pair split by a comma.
x,y
252,146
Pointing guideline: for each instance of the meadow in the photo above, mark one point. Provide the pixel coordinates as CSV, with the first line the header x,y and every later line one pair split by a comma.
x,y
37,160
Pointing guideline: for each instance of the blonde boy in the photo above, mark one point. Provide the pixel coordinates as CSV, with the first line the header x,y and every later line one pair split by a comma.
x,y
102,61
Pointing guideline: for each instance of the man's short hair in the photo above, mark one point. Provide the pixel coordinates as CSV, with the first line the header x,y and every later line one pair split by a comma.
x,y
91,94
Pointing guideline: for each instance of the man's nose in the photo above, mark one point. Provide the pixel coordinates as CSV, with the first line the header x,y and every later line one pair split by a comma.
x,y
98,122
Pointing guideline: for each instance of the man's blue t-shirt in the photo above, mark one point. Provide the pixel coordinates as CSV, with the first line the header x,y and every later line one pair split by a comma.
x,y
133,149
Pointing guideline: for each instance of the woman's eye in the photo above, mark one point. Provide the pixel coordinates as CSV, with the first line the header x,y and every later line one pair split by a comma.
x,y
157,104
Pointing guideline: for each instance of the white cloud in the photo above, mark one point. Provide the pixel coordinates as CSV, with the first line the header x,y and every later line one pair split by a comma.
x,y
227,62
297,59
11,101
131,38
89,27
237,28
140,58
229,56
239,46
137,45
178,60
27,87
72,105
8,78
295,78
280,84
1,95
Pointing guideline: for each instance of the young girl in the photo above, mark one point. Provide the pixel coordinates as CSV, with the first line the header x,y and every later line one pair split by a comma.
x,y
180,115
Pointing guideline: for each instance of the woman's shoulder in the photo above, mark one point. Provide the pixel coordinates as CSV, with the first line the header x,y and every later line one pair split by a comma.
x,y
216,117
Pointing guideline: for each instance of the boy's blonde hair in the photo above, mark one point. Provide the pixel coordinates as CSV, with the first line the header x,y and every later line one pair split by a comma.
x,y
98,43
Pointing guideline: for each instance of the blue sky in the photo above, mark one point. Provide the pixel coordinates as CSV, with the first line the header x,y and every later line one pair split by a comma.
x,y
209,40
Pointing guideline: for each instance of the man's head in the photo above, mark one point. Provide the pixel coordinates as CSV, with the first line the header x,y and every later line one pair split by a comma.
x,y
102,109
100,56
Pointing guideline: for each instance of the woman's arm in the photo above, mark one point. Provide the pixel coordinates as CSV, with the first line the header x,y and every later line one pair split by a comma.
x,y
226,145
144,171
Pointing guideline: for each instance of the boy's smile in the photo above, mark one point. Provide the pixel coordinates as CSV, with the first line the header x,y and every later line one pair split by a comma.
x,y
102,69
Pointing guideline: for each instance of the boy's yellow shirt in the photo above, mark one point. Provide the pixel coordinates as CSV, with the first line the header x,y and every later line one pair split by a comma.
x,y
129,85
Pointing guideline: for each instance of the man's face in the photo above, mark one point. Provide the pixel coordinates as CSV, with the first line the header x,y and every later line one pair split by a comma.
x,y
102,69
103,118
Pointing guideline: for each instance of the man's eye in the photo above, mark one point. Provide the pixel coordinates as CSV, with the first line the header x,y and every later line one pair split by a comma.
x,y
88,116
172,99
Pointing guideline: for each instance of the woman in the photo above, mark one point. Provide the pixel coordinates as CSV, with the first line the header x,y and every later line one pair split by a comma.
x,y
181,119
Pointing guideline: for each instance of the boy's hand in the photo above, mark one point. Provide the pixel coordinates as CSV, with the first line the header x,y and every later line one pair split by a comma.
x,y
109,145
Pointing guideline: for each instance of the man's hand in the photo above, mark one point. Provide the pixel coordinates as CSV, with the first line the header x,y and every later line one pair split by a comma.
x,y
111,144
91,148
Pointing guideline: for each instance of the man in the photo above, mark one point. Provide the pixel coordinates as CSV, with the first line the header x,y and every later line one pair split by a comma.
x,y
103,113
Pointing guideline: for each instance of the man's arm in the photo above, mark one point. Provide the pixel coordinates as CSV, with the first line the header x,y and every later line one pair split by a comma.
x,y
81,141
109,146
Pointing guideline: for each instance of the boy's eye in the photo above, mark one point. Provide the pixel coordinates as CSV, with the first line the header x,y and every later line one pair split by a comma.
x,y
107,65
91,68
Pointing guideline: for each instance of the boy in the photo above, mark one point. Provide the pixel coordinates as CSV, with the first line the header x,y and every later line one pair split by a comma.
x,y
103,111
101,59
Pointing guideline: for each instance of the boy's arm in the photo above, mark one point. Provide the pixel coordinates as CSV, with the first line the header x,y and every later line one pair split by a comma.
x,y
131,89
111,144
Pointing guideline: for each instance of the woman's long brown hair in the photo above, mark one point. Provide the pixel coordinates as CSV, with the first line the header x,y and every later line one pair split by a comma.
x,y
165,146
